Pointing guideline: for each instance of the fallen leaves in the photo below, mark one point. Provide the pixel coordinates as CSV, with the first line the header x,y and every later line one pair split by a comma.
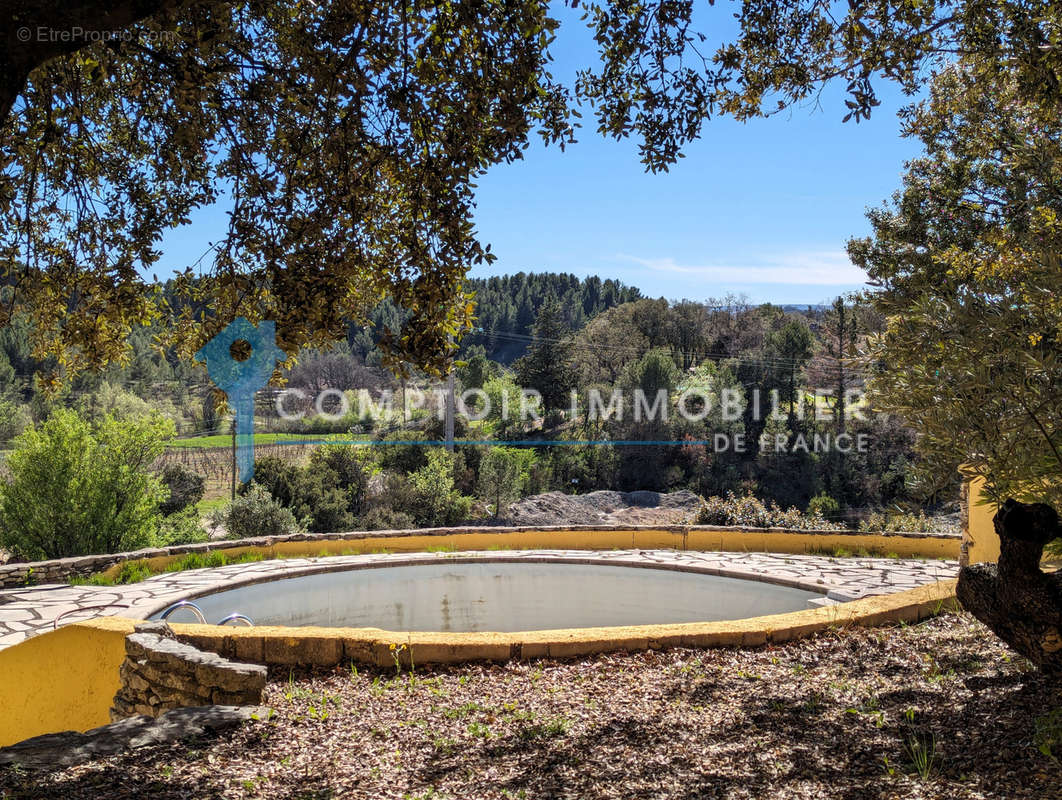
x,y
831,716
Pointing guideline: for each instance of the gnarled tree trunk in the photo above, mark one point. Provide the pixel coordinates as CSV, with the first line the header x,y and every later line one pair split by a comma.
x,y
1015,598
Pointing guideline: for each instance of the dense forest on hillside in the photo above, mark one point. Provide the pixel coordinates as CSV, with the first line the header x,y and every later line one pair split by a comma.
x,y
556,334
507,307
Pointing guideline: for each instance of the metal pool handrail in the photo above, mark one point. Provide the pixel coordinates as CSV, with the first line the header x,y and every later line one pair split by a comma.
x,y
238,618
185,604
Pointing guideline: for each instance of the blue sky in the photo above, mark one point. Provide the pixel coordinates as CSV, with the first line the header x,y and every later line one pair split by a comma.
x,y
762,208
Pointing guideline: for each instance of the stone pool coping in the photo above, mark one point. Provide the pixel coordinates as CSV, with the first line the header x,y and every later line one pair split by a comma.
x,y
36,610
592,537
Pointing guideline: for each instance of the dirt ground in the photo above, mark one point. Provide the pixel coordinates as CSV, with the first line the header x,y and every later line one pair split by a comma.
x,y
936,710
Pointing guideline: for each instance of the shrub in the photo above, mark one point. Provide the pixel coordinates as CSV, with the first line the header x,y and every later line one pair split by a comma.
x,y
503,475
255,513
186,488
749,511
327,495
822,505
894,521
385,518
75,488
424,499
319,503
434,500
181,527
350,476
14,419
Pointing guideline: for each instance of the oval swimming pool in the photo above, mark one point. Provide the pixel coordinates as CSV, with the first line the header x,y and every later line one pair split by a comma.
x,y
500,596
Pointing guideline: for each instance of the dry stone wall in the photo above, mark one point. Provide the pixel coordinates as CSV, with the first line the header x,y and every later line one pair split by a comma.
x,y
160,674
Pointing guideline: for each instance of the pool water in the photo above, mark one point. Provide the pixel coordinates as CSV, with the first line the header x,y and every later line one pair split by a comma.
x,y
499,596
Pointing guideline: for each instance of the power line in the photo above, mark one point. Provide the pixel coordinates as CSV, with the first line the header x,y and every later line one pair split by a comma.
x,y
698,355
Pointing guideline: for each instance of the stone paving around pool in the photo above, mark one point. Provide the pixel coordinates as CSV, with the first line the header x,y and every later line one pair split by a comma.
x,y
29,611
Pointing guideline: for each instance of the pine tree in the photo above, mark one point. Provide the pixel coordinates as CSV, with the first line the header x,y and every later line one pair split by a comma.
x,y
547,365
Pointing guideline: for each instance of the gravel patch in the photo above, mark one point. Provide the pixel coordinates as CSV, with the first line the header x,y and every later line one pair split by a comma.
x,y
840,715
606,508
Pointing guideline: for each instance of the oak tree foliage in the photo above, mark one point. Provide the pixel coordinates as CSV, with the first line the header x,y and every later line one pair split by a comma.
x,y
345,138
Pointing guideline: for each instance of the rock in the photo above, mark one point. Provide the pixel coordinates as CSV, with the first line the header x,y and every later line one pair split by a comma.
x,y
605,508
158,627
232,677
71,747
160,673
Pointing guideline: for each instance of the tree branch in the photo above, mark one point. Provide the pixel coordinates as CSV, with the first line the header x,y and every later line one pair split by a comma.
x,y
38,31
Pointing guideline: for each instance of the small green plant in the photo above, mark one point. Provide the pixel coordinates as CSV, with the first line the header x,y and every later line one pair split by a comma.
x,y
933,671
920,746
1048,734
462,711
396,655
551,729
922,751
444,744
295,692
132,572
815,703
427,795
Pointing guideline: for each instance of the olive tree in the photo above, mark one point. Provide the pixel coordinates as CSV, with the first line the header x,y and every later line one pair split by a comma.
x,y
966,260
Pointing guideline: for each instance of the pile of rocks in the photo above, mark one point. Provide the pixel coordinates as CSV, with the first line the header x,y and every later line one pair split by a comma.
x,y
160,674
605,508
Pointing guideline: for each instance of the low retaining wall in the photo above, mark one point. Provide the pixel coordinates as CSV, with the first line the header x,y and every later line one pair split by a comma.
x,y
570,537
160,674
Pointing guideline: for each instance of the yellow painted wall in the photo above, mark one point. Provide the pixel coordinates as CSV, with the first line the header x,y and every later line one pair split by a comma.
x,y
979,534
62,680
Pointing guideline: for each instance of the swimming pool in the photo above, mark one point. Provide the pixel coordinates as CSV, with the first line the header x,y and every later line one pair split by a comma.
x,y
496,595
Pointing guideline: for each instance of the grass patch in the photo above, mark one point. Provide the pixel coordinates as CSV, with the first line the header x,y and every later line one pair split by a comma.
x,y
136,571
